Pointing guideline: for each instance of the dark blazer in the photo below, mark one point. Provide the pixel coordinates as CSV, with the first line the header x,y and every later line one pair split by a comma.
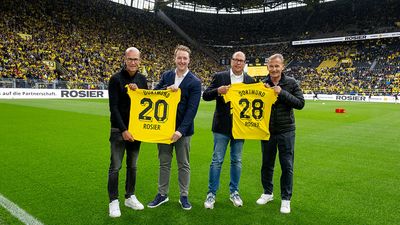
x,y
291,97
222,122
190,99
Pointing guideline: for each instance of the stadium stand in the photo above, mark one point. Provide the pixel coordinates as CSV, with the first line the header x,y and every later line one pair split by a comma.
x,y
84,40
79,44
336,18
361,68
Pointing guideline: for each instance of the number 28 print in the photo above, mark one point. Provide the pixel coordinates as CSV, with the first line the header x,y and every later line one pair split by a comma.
x,y
250,109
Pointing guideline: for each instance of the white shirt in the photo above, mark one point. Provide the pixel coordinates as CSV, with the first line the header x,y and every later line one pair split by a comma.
x,y
178,80
236,79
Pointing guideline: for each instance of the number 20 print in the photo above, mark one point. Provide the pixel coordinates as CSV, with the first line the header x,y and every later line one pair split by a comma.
x,y
160,110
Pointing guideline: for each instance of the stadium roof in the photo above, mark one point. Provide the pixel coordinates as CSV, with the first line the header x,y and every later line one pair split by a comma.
x,y
237,5
222,7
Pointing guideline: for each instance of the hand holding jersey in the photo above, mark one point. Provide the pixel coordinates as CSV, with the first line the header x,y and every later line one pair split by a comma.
x,y
127,136
153,115
251,109
277,88
223,89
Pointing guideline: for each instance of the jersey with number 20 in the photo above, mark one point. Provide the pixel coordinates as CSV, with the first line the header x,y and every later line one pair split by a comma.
x,y
153,114
251,109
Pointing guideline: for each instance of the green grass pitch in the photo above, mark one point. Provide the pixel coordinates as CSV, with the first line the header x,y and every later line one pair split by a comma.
x,y
54,158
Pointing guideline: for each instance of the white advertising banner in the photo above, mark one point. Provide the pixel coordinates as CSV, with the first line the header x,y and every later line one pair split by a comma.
x,y
352,98
326,97
308,96
25,93
357,98
347,38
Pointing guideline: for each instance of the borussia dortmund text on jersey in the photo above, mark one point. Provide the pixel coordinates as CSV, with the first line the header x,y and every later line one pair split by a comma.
x,y
251,110
153,114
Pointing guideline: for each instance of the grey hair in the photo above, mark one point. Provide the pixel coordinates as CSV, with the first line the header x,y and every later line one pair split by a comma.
x,y
238,52
276,56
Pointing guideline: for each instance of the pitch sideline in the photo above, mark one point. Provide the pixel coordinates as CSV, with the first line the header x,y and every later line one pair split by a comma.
x,y
17,212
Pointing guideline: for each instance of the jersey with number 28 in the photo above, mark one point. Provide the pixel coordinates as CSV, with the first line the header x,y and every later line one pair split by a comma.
x,y
153,114
251,109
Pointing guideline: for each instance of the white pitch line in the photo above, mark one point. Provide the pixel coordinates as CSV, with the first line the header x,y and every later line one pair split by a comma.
x,y
17,212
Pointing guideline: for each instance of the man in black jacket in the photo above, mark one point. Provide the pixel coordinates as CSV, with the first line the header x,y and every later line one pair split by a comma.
x,y
120,138
282,129
222,130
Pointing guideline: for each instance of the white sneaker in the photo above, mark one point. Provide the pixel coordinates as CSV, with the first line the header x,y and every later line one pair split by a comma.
x,y
285,206
133,203
265,198
236,200
210,200
113,209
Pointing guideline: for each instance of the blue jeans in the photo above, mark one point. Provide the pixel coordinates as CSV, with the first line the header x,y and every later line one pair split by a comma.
x,y
220,144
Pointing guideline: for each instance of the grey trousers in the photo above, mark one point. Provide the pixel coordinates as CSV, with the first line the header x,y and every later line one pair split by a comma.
x,y
182,149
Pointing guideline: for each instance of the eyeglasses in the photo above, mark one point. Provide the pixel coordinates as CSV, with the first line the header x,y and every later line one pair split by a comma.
x,y
238,60
132,59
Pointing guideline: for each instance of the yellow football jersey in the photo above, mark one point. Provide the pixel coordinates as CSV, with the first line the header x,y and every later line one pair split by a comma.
x,y
251,110
153,114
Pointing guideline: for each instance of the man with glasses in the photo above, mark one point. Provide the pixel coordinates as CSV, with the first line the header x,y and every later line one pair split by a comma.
x,y
222,130
120,138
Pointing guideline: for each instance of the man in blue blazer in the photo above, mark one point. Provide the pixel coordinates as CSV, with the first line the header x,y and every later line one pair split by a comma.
x,y
222,130
190,87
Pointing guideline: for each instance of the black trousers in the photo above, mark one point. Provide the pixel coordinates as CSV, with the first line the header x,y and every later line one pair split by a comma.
x,y
118,147
284,143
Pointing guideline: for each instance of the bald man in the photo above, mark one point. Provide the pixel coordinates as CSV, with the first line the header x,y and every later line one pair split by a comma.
x,y
121,139
222,130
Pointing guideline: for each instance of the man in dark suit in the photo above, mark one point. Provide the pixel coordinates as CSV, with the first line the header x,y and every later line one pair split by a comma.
x,y
222,130
190,87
